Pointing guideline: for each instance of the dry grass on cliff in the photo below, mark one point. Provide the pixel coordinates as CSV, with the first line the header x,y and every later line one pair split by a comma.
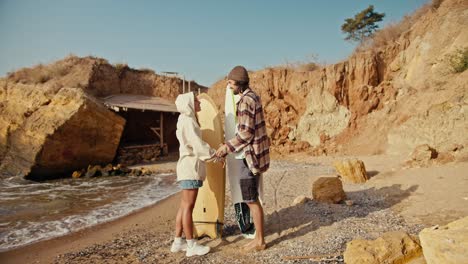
x,y
306,67
309,65
43,73
39,74
392,31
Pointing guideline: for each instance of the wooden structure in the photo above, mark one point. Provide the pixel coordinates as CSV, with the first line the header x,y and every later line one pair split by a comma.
x,y
143,114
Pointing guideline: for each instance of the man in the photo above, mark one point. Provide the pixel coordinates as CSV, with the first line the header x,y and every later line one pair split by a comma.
x,y
233,168
251,138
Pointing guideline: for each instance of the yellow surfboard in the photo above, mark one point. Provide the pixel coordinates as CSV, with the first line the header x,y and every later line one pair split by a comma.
x,y
208,213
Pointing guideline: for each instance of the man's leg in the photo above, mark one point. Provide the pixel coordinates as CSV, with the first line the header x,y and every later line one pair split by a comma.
x,y
249,189
243,217
244,220
256,210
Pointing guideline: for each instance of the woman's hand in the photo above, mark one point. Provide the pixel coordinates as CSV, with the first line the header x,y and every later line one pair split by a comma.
x,y
217,159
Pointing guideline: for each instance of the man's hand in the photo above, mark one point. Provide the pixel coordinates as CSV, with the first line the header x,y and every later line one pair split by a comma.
x,y
217,159
222,151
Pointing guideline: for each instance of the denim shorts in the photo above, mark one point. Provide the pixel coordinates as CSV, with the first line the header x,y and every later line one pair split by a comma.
x,y
190,184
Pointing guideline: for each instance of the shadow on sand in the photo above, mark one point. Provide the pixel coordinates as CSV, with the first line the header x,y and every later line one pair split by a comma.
x,y
313,215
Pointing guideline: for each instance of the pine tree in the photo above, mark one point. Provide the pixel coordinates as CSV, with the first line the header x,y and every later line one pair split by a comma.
x,y
363,24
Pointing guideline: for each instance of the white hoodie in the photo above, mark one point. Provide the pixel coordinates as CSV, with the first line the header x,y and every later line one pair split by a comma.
x,y
193,151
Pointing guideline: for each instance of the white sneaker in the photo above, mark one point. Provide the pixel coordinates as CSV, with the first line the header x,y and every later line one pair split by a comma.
x,y
250,236
177,247
197,249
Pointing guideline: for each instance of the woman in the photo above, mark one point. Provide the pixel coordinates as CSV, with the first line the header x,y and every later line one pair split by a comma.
x,y
193,153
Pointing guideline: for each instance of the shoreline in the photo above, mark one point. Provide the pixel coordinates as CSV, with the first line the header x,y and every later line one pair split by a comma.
x,y
46,251
394,198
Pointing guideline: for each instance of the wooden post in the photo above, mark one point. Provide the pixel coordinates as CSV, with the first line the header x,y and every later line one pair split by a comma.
x,y
161,118
189,89
183,84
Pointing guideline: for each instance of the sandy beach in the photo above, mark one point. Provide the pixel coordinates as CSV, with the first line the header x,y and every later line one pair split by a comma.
x,y
365,110
393,199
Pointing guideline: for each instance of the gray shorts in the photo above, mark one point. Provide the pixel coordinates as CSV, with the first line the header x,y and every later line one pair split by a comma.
x,y
248,183
190,184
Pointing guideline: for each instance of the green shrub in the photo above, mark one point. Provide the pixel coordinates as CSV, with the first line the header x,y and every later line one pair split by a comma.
x,y
458,60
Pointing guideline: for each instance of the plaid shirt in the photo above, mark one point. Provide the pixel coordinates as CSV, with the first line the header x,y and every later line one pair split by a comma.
x,y
251,133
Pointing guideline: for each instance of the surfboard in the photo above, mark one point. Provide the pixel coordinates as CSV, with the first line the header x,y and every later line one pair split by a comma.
x,y
208,213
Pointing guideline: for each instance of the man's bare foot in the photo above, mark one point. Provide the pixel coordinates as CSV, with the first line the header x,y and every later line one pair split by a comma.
x,y
253,245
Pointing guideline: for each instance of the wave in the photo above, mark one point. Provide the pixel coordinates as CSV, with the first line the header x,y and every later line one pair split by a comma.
x,y
137,197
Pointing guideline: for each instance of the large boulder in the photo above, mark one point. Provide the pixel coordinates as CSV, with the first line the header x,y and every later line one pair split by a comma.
x,y
328,189
47,130
352,170
391,248
423,153
447,244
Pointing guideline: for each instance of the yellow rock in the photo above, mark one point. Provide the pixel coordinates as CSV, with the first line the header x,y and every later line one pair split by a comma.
x,y
106,170
146,171
352,171
300,200
77,174
447,244
328,189
391,248
92,170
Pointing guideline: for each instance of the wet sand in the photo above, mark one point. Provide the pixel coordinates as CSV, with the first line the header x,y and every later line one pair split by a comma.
x,y
154,218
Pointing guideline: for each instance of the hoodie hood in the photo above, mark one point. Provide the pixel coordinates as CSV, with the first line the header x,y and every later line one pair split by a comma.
x,y
185,104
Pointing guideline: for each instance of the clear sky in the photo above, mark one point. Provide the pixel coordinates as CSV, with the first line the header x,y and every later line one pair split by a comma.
x,y
201,39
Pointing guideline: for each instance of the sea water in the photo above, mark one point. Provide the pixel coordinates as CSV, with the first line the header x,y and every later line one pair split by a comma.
x,y
33,211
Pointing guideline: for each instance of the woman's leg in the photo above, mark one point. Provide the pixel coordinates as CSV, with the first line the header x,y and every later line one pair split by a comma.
x,y
178,244
189,196
178,227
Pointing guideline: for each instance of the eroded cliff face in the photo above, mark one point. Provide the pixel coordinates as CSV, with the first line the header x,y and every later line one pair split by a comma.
x,y
369,103
283,92
316,106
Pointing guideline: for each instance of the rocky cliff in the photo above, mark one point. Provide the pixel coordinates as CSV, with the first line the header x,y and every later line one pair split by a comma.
x,y
99,78
385,98
53,122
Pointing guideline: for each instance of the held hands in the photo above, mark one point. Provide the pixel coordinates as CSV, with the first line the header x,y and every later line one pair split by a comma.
x,y
219,155
222,151
216,159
